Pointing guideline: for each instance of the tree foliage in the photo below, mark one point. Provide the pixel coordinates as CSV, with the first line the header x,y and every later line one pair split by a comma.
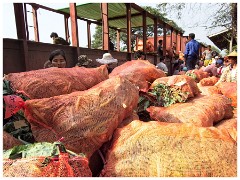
x,y
97,37
222,15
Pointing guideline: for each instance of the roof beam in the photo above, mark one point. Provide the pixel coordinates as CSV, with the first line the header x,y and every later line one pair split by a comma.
x,y
138,8
47,8
122,17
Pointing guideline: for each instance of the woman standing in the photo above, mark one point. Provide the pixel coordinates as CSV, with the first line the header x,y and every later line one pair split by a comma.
x,y
207,56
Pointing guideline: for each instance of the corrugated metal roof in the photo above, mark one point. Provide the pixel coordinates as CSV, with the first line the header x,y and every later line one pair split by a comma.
x,y
92,11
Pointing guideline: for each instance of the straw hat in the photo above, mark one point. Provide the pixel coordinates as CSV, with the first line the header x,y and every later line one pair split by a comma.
x,y
107,59
233,54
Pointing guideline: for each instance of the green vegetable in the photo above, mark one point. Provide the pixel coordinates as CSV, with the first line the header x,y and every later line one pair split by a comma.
x,y
45,149
192,75
167,95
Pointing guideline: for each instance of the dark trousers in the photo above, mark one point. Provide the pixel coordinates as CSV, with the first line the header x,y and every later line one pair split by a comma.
x,y
191,63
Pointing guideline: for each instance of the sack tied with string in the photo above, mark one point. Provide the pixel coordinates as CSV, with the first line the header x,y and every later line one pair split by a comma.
x,y
86,119
43,83
201,111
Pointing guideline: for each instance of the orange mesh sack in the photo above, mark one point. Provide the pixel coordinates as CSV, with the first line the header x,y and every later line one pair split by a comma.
x,y
86,119
140,72
235,113
200,111
9,141
105,147
208,90
197,74
157,149
210,81
230,125
185,83
64,166
50,82
229,89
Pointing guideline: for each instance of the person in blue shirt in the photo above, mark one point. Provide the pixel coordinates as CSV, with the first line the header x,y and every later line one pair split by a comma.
x,y
191,52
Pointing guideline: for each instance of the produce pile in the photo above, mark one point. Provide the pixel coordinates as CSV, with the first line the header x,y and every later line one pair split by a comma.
x,y
166,91
82,122
197,74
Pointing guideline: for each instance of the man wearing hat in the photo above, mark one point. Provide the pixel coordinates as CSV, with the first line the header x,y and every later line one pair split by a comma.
x,y
230,72
109,61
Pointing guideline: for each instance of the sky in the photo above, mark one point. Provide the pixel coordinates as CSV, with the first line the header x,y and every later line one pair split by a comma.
x,y
53,22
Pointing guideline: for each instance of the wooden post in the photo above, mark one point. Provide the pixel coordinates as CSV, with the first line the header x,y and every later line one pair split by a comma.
x,y
19,18
144,24
21,31
105,28
35,23
155,39
137,40
176,41
164,39
180,42
171,39
73,15
66,27
129,30
89,34
118,40
26,22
